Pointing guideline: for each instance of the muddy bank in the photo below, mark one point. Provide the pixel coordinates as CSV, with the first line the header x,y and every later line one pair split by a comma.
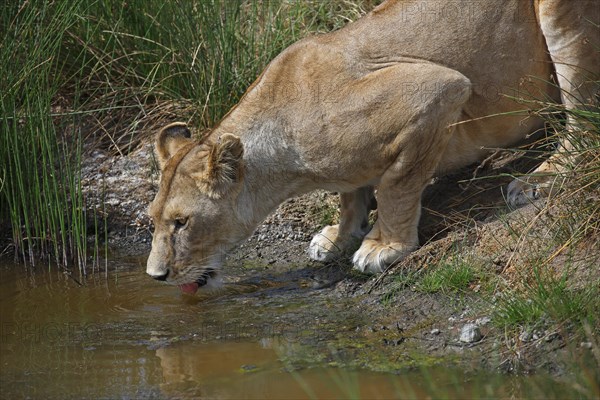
x,y
406,327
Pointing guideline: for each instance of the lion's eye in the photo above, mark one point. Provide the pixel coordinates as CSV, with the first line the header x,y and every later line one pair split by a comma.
x,y
180,222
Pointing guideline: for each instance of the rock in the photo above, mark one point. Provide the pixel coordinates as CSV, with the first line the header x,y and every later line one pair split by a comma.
x,y
483,321
585,345
470,333
435,331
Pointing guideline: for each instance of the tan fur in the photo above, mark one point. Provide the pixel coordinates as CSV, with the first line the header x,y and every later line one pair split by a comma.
x,y
411,90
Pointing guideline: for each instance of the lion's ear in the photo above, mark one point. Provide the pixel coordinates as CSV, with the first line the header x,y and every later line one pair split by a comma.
x,y
224,167
170,139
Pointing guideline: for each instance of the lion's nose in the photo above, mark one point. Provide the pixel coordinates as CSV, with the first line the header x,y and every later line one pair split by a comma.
x,y
162,277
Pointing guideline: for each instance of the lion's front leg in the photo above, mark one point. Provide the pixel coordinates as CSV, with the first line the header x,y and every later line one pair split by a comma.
x,y
423,143
394,235
335,240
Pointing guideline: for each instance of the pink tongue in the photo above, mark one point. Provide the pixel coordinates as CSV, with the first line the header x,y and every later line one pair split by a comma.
x,y
189,288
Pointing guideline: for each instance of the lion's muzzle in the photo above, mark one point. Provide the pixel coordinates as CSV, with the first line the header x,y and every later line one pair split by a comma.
x,y
156,267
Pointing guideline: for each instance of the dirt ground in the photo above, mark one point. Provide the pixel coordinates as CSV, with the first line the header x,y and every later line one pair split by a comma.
x,y
413,327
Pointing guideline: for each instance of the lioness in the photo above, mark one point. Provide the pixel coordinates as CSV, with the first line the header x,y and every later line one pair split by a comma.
x,y
411,90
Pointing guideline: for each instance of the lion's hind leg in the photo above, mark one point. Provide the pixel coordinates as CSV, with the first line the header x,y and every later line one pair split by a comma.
x,y
335,240
572,33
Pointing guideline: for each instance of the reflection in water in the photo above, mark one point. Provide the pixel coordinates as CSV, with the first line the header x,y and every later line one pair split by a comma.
x,y
130,337
60,340
208,369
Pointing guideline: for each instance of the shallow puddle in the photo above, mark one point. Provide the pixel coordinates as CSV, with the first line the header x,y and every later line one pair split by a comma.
x,y
126,336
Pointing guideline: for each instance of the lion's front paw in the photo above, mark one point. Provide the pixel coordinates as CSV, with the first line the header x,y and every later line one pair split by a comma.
x,y
322,246
524,191
327,245
372,257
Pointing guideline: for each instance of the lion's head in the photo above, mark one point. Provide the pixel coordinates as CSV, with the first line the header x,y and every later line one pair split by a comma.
x,y
194,212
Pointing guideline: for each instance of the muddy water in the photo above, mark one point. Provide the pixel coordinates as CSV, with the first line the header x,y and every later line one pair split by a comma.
x,y
126,336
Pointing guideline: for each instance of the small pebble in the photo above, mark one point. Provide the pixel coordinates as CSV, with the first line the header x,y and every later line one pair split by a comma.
x,y
525,336
585,345
470,333
435,331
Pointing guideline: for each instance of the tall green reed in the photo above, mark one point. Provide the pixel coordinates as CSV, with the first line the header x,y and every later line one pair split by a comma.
x,y
41,196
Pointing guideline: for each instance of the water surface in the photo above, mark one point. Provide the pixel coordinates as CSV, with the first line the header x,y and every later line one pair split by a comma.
x,y
127,336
